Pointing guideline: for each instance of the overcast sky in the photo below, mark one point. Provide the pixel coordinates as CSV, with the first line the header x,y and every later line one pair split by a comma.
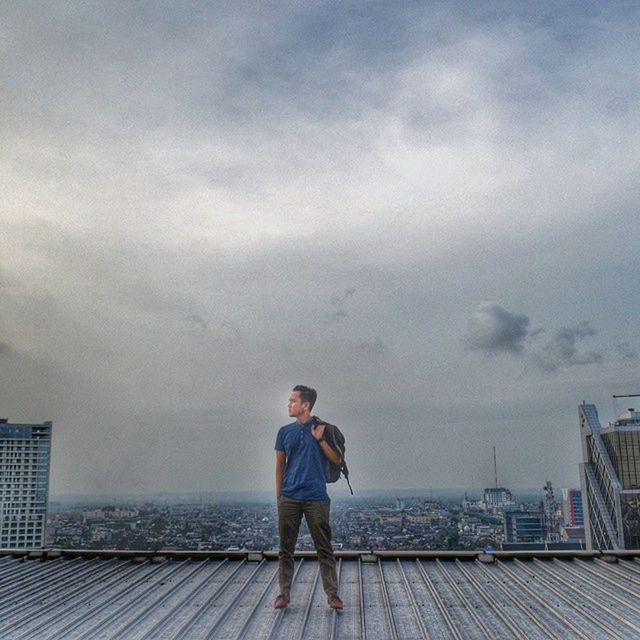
x,y
427,211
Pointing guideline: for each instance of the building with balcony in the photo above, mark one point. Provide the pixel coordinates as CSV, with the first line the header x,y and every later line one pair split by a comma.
x,y
25,451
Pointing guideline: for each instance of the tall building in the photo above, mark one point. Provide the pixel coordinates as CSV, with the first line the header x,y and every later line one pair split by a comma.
x,y
610,477
572,511
25,452
572,529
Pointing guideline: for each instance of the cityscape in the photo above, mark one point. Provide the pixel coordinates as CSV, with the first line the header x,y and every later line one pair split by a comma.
x,y
606,516
603,514
494,521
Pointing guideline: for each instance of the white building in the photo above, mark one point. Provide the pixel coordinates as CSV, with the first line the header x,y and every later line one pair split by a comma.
x,y
497,498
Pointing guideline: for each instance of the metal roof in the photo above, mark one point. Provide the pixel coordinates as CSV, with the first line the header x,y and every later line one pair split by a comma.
x,y
168,595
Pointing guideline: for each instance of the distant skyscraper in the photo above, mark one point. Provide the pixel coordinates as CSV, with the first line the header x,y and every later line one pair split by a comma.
x,y
25,451
610,477
572,511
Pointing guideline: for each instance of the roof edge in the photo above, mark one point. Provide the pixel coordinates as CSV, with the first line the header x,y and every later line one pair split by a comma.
x,y
252,556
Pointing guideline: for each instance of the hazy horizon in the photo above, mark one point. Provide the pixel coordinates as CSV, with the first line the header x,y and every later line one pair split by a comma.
x,y
340,495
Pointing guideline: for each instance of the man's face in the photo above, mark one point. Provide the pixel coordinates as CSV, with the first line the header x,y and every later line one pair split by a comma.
x,y
296,406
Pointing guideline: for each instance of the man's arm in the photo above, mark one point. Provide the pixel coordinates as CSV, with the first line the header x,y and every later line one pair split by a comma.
x,y
281,461
329,452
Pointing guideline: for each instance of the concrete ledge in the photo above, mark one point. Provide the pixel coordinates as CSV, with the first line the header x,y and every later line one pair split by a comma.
x,y
23,553
571,553
444,553
621,553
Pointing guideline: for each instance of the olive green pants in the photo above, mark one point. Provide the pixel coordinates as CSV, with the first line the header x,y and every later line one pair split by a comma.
x,y
316,513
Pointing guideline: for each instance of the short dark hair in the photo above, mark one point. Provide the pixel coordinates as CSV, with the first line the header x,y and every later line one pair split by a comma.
x,y
307,394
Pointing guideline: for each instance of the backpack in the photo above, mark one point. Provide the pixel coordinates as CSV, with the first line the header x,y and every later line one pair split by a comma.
x,y
334,437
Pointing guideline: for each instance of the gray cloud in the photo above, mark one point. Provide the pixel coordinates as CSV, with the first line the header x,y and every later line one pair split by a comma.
x,y
582,330
5,349
625,351
373,348
222,329
231,326
563,349
338,302
199,320
493,329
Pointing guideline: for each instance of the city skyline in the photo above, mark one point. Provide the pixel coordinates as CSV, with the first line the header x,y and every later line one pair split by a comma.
x,y
426,212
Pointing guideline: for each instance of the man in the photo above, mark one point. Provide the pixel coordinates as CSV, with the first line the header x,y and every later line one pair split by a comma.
x,y
301,488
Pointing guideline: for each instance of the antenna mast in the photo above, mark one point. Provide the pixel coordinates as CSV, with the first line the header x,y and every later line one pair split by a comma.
x,y
495,467
550,520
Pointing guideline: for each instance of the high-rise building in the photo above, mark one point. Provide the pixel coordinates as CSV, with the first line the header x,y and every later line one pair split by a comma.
x,y
572,529
572,511
610,477
25,452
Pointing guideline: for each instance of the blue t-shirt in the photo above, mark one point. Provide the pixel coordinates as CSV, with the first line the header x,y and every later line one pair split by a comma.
x,y
304,477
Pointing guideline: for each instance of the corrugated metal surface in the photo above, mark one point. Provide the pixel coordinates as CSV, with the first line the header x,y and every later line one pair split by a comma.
x,y
387,596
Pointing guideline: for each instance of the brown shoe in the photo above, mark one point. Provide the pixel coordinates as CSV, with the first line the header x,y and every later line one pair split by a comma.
x,y
335,603
281,602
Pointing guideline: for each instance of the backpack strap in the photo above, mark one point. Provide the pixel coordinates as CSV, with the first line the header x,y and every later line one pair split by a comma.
x,y
346,477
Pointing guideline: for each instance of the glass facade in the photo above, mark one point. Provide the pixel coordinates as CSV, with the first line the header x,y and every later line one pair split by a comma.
x,y
572,511
602,534
611,480
630,504
605,481
523,526
623,448
25,451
